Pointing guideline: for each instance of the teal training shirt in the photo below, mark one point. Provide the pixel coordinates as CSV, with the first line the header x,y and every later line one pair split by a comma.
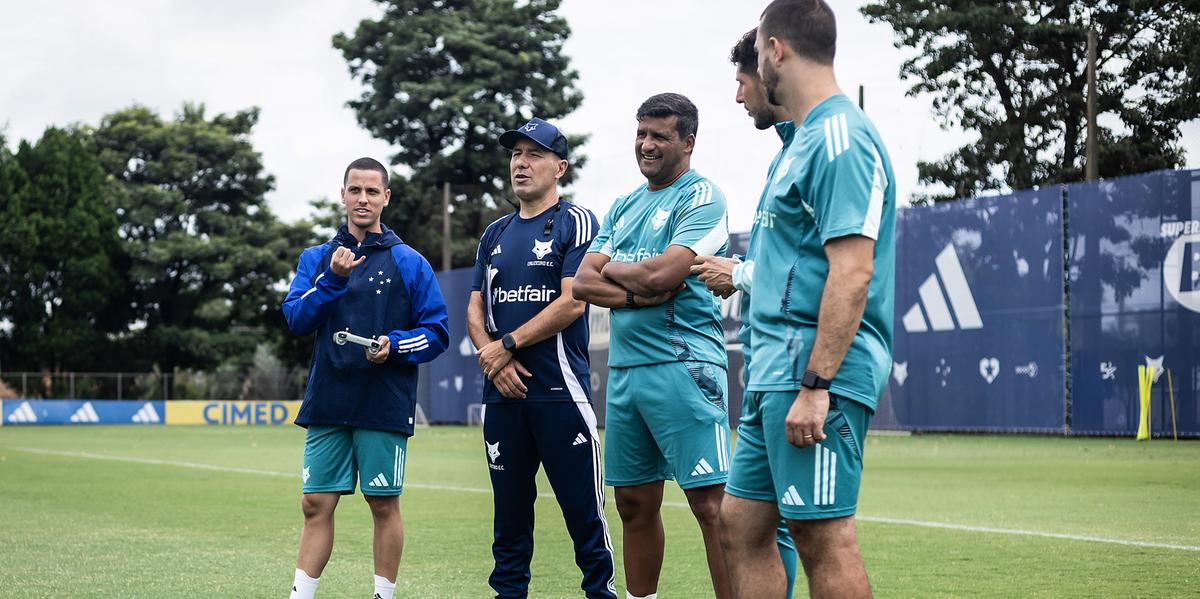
x,y
787,132
835,180
689,213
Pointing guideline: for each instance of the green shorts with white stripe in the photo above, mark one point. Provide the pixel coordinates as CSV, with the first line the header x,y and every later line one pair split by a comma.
x,y
666,421
336,456
814,483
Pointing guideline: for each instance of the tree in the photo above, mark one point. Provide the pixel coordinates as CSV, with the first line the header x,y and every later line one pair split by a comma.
x,y
1014,72
444,78
60,258
207,255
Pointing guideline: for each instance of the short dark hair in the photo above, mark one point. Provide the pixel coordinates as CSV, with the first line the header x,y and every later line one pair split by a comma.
x,y
743,55
366,164
808,27
664,105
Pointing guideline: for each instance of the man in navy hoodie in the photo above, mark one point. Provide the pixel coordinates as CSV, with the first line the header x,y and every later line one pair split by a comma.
x,y
358,406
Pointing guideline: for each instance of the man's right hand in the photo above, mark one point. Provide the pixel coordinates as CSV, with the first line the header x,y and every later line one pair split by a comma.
x,y
508,380
343,261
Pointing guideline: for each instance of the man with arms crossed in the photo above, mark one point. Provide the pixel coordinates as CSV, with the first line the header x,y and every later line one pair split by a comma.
x,y
532,336
725,276
666,412
821,324
358,405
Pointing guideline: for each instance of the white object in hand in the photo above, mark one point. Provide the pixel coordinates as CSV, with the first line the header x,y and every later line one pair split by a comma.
x,y
343,337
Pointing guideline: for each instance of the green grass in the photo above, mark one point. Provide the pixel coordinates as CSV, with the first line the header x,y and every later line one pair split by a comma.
x,y
72,526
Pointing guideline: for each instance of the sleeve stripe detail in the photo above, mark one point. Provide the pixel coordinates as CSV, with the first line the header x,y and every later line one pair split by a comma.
x,y
414,349
314,287
583,225
702,195
411,341
714,239
837,136
875,207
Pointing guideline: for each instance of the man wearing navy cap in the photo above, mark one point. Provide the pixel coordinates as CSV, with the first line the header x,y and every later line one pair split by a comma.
x,y
532,336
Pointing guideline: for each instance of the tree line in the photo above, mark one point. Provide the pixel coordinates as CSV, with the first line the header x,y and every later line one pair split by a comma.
x,y
146,242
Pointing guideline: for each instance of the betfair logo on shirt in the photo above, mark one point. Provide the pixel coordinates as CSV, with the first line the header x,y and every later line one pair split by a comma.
x,y
528,293
635,256
765,218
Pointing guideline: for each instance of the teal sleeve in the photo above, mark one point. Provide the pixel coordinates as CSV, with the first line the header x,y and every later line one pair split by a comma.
x,y
700,221
848,185
600,243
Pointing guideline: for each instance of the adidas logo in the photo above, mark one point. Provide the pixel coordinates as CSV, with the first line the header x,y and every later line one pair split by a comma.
x,y
824,476
933,301
497,250
23,413
791,497
378,481
702,468
579,440
86,413
146,414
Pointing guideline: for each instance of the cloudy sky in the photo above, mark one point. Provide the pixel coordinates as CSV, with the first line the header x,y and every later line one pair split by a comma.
x,y
69,62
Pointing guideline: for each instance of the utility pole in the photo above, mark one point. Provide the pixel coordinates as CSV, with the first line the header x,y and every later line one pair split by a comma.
x,y
1092,168
446,226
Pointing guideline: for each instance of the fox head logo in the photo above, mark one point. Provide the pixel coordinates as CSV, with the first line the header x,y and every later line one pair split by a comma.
x,y
493,450
660,218
541,248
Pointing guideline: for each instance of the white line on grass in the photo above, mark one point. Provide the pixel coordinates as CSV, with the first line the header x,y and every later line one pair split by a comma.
x,y
674,504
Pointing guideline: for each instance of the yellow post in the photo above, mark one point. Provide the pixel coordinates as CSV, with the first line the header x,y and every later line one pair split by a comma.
x,y
1145,378
1171,389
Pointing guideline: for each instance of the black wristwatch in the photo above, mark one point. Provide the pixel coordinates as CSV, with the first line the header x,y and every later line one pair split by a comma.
x,y
629,303
509,343
813,380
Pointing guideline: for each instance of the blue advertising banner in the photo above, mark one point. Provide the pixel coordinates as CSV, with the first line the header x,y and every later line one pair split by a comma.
x,y
1134,256
81,411
454,379
979,316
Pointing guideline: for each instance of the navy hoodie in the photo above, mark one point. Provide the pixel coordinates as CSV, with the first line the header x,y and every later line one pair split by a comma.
x,y
394,293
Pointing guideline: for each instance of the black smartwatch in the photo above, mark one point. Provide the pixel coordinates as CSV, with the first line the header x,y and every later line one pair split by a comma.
x,y
509,343
813,380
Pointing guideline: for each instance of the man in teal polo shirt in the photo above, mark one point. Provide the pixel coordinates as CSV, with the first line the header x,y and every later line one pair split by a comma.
x,y
821,324
666,416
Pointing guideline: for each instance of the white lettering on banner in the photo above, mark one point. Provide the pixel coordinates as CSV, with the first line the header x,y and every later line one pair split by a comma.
x,y
1181,267
528,293
1173,229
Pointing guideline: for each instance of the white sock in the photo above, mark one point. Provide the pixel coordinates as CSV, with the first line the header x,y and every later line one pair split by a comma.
x,y
305,586
383,588
629,595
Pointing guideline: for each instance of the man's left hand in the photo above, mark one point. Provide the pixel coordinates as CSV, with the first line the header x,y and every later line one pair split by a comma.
x,y
493,357
715,272
381,356
806,418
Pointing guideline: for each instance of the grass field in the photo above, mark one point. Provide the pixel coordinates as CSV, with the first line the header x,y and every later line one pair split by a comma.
x,y
213,512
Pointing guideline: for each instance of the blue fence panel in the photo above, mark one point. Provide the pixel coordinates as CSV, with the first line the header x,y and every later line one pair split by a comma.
x,y
454,379
1135,300
979,316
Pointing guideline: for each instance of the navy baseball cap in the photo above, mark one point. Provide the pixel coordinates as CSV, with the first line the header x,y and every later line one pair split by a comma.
x,y
540,132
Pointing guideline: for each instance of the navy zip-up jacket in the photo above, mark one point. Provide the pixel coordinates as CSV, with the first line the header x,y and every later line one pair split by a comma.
x,y
394,293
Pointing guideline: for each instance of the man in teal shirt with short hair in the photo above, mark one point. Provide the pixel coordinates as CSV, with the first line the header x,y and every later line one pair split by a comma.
x,y
821,323
666,412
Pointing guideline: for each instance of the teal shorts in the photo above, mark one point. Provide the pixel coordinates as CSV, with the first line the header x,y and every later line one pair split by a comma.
x,y
814,483
335,456
667,422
